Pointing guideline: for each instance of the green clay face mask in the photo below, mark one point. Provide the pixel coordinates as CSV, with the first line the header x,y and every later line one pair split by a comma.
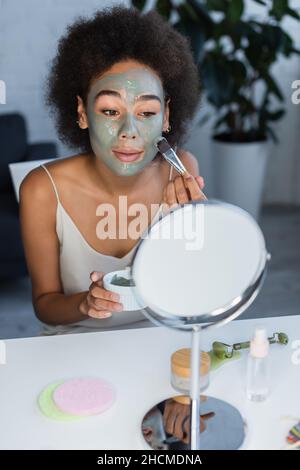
x,y
125,113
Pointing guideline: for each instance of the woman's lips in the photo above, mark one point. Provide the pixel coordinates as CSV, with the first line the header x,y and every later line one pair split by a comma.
x,y
128,157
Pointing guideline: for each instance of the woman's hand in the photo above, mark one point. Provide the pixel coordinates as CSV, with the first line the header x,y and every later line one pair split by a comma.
x,y
99,302
184,189
176,419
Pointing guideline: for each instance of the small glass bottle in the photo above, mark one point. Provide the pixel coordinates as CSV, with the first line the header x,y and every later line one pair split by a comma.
x,y
257,387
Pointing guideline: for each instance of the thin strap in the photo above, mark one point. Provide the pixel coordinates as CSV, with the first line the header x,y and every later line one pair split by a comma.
x,y
53,184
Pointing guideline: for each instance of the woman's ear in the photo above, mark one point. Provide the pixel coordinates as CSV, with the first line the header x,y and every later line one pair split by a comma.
x,y
82,117
166,123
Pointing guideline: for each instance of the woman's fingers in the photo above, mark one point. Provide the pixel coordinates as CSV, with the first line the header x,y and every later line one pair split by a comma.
x,y
200,181
183,189
96,314
96,276
193,187
183,414
102,304
181,192
101,293
171,198
100,298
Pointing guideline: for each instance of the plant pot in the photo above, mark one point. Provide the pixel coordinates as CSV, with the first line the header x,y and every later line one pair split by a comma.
x,y
239,172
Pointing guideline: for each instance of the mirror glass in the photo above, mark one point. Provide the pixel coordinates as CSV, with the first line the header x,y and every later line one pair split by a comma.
x,y
198,259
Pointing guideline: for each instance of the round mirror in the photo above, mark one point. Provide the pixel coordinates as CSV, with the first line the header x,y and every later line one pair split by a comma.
x,y
201,265
202,262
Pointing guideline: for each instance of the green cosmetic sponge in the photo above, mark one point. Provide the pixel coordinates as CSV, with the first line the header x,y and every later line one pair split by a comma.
x,y
49,409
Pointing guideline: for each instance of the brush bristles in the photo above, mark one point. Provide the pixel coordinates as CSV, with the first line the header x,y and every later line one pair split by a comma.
x,y
163,145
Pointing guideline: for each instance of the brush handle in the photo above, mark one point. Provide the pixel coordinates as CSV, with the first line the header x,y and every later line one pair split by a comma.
x,y
171,156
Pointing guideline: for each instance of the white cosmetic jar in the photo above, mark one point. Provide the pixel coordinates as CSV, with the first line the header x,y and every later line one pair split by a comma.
x,y
127,293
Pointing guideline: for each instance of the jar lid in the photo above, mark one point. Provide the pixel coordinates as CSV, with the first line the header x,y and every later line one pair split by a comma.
x,y
185,399
181,362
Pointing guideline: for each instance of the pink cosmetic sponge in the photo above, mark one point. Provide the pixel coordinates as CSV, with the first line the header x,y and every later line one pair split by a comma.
x,y
84,396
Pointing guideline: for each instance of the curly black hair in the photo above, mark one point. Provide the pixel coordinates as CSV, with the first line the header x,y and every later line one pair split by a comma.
x,y
92,46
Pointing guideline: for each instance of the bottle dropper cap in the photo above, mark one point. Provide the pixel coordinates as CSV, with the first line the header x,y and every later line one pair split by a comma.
x,y
259,346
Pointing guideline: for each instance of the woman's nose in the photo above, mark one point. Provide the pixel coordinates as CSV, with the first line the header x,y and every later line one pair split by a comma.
x,y
128,130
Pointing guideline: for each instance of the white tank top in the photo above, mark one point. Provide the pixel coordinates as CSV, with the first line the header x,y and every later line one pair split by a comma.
x,y
77,260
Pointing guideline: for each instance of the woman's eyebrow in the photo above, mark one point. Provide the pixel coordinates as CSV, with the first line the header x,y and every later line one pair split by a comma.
x,y
115,93
108,92
148,97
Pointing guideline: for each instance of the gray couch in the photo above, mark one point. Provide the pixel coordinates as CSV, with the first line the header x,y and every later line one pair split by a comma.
x,y
14,147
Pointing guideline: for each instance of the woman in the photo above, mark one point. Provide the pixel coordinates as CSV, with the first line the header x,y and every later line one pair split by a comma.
x,y
119,80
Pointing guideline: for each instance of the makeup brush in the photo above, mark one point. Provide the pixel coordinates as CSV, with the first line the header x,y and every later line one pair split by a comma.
x,y
170,155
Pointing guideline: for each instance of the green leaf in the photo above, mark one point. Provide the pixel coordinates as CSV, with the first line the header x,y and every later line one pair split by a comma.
x,y
286,44
164,8
196,35
265,101
190,11
272,134
202,12
204,119
293,13
279,9
246,106
272,37
295,51
217,5
235,10
238,72
273,87
139,4
217,79
221,120
275,115
261,2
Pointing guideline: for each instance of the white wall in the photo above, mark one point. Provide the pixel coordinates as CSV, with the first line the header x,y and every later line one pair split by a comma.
x,y
29,31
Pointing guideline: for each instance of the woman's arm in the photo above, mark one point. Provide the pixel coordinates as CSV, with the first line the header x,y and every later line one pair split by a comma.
x,y
38,225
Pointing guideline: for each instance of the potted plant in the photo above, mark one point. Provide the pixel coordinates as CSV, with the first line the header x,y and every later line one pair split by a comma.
x,y
235,55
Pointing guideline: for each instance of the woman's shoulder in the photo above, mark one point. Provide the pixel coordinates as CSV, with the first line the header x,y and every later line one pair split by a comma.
x,y
36,182
67,165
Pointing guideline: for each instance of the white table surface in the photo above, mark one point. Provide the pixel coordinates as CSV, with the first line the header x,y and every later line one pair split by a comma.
x,y
137,362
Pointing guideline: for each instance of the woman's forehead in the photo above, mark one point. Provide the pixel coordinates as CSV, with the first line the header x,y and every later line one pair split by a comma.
x,y
134,80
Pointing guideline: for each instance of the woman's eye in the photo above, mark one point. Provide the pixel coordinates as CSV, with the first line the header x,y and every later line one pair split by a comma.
x,y
109,112
147,114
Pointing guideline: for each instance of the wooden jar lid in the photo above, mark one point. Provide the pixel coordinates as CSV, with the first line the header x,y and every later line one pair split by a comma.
x,y
181,362
185,399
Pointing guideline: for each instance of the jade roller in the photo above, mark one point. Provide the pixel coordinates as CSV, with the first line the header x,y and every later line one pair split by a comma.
x,y
225,351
